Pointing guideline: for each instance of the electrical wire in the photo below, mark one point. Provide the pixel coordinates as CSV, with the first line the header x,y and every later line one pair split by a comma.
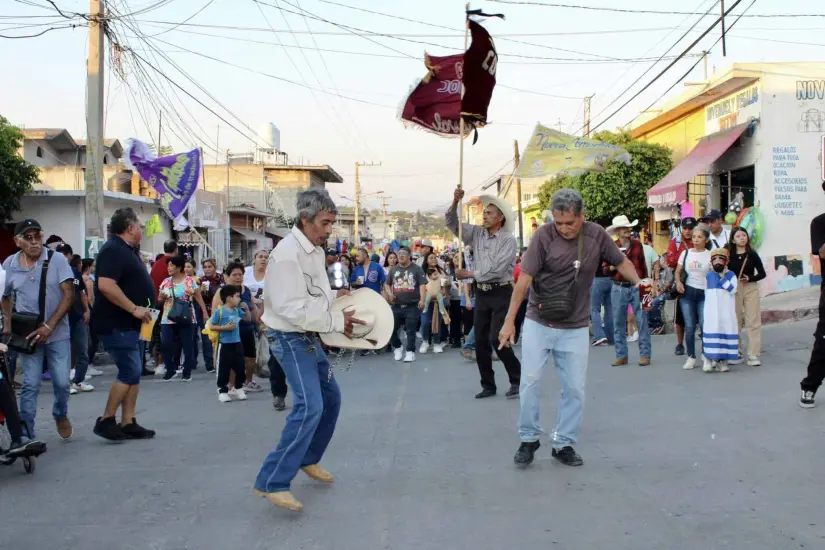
x,y
41,33
642,11
187,20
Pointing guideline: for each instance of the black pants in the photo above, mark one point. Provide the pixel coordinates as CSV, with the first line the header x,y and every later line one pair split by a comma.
x,y
467,320
230,358
816,367
522,313
277,378
8,405
490,311
455,321
406,317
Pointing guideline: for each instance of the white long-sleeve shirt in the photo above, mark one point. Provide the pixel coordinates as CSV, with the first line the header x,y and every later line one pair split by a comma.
x,y
297,294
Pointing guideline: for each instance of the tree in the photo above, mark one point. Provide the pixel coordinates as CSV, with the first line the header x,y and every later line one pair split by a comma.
x,y
165,150
17,177
620,189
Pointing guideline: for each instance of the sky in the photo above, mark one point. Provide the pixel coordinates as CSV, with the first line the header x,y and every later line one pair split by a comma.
x,y
254,62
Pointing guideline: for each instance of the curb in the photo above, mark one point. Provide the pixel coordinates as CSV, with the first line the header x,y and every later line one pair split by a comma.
x,y
773,316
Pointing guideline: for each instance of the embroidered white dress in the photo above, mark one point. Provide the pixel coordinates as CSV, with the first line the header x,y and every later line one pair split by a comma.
x,y
720,336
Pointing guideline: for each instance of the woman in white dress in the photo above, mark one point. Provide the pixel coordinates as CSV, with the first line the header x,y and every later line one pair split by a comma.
x,y
720,331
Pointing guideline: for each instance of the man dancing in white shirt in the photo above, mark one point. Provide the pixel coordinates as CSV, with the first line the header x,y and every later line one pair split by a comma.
x,y
297,300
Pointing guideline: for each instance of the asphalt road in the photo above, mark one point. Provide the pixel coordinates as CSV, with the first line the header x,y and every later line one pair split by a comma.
x,y
673,460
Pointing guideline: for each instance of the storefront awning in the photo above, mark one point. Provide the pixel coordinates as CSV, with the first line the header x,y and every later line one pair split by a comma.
x,y
672,189
249,235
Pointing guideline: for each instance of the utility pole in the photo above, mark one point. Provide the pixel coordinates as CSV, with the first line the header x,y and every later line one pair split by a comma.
x,y
587,116
384,200
705,59
559,124
516,159
357,235
218,145
94,123
724,44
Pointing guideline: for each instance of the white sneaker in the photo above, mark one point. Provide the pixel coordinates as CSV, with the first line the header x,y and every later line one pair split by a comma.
x,y
398,353
438,348
224,398
179,371
753,361
424,347
72,391
707,366
83,386
94,372
237,393
738,361
252,387
634,337
160,371
409,357
88,377
690,363
71,374
723,366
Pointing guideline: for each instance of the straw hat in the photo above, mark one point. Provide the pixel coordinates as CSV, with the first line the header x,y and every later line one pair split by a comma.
x,y
506,209
370,307
622,221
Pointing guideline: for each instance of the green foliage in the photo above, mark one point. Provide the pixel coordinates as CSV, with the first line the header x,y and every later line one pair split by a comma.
x,y
620,189
165,150
17,177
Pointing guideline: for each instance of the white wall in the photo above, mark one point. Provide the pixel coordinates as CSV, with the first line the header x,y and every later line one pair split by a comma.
x,y
62,216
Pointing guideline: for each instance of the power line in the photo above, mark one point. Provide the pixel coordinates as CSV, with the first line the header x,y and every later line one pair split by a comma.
x,y
643,11
41,33
188,19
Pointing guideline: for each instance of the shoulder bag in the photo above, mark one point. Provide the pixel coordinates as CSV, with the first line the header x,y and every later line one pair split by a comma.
x,y
181,311
557,302
23,324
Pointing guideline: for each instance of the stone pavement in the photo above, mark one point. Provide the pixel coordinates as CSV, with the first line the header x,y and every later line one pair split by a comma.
x,y
673,460
791,306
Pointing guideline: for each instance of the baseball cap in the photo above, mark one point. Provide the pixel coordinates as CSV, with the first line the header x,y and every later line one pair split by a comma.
x,y
713,215
688,223
25,225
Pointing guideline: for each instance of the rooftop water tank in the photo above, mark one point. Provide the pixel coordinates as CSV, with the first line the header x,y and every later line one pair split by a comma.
x,y
270,137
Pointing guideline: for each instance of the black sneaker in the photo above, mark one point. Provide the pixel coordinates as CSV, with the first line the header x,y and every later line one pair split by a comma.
x,y
136,431
279,404
512,393
26,447
806,401
568,455
107,428
525,453
486,392
680,349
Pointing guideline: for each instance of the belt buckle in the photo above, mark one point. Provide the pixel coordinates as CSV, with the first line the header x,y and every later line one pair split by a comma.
x,y
485,287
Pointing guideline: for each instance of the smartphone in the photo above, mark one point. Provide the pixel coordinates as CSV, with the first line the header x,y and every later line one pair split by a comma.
x,y
259,293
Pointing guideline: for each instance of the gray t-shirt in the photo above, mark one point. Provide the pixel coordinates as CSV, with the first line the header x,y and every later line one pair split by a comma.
x,y
551,257
406,283
24,285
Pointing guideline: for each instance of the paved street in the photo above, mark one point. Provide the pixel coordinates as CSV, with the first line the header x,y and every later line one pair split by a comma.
x,y
673,460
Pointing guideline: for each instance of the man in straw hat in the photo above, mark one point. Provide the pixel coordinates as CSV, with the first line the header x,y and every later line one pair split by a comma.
x,y
297,308
494,256
558,268
625,293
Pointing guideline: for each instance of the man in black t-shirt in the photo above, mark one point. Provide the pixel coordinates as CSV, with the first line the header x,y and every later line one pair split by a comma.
x,y
405,289
78,324
124,292
816,367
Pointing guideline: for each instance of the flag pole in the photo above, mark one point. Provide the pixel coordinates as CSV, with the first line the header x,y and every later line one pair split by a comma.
x,y
461,148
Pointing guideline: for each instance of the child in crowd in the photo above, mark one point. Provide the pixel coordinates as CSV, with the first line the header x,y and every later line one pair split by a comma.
x,y
434,292
230,354
720,332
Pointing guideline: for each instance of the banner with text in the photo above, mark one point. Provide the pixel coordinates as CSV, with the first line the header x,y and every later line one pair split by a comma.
x,y
550,153
174,177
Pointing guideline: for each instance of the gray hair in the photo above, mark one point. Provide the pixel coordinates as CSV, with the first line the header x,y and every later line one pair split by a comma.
x,y
704,229
567,200
312,201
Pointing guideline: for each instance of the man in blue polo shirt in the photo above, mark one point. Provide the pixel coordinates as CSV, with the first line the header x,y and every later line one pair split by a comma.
x,y
367,273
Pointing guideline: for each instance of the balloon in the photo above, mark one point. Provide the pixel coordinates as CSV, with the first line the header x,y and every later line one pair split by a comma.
x,y
730,218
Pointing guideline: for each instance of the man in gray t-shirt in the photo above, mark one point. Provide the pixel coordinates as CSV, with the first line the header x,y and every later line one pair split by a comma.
x,y
405,288
21,293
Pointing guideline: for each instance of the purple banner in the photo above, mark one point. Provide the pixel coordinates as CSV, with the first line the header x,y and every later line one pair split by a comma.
x,y
175,177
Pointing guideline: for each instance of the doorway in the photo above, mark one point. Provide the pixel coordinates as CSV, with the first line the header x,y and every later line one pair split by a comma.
x,y
741,181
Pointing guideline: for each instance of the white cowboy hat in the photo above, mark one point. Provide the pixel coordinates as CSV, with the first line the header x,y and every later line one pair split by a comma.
x,y
506,209
621,221
370,307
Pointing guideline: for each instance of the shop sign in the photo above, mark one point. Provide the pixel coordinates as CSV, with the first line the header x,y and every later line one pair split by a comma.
x,y
733,110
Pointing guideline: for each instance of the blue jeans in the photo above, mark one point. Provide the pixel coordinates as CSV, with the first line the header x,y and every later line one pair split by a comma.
x,y
58,357
126,349
621,297
175,338
569,348
316,402
692,303
470,340
600,296
80,347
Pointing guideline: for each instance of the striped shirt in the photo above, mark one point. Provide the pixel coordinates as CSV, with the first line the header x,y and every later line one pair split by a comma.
x,y
494,256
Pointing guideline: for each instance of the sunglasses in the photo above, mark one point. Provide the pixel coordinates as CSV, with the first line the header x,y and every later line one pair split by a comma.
x,y
32,237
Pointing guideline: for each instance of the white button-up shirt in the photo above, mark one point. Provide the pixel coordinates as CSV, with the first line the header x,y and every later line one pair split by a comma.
x,y
297,294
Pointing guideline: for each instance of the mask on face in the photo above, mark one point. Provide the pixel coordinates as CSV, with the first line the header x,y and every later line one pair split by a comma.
x,y
719,268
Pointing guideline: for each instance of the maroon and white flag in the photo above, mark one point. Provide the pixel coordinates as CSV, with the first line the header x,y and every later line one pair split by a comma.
x,y
436,103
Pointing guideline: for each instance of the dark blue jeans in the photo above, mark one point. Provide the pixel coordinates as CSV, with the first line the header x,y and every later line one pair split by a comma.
x,y
406,317
80,348
692,303
600,296
316,403
174,340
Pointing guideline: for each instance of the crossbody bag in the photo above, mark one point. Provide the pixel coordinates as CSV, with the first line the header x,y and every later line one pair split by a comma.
x,y
23,324
559,299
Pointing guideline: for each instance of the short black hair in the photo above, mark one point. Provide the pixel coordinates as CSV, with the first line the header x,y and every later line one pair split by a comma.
x,y
233,266
158,256
87,264
53,239
227,291
76,262
122,219
64,248
178,261
170,246
407,248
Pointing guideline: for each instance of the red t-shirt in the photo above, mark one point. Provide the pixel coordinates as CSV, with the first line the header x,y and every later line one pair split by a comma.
x,y
160,272
516,272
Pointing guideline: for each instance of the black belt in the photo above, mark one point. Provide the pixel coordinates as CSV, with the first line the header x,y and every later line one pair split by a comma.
x,y
623,283
487,287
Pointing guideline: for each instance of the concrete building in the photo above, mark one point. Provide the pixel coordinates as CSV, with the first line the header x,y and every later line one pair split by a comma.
x,y
755,129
